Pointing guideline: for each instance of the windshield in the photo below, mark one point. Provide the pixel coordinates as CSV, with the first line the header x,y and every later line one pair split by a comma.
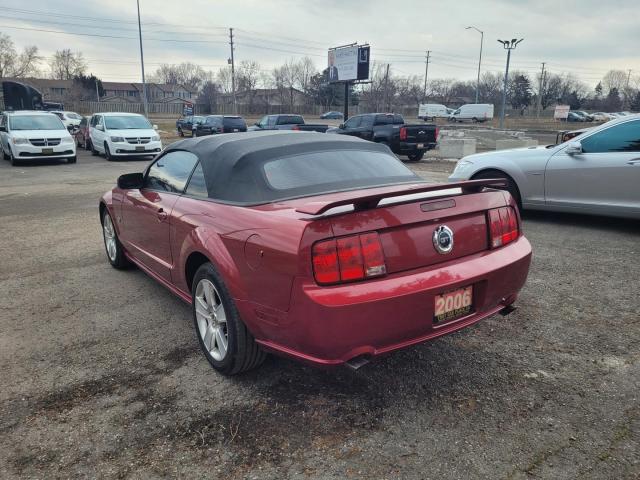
x,y
35,122
126,122
197,120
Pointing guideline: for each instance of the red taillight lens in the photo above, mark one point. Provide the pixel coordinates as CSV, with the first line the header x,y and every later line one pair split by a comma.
x,y
348,258
403,133
295,127
325,262
437,133
503,226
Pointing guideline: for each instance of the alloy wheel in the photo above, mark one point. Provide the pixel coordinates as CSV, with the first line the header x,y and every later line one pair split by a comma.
x,y
109,237
212,319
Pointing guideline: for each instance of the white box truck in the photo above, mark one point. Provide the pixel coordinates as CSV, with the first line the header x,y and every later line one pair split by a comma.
x,y
475,112
431,111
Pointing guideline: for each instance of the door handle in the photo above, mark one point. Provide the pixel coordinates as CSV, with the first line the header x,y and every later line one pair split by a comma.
x,y
162,215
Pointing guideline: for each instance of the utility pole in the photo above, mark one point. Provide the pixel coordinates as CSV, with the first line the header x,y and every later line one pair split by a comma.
x,y
479,60
539,102
508,46
426,74
144,84
627,100
97,91
386,88
233,72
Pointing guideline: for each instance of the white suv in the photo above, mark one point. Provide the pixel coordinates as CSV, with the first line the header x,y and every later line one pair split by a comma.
x,y
32,135
123,134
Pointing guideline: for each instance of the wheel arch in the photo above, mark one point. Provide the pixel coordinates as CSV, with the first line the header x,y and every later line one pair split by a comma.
x,y
500,171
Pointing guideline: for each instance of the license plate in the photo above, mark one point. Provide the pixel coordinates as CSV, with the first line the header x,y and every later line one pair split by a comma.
x,y
235,129
139,149
452,305
421,145
47,151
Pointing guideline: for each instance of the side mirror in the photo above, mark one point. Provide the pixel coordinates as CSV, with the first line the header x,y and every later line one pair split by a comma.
x,y
155,127
574,148
341,126
130,181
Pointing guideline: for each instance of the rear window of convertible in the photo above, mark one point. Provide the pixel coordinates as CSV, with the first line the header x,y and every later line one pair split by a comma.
x,y
326,171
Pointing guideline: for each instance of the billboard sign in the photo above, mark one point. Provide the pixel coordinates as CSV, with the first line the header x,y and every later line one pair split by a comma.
x,y
348,63
187,109
561,112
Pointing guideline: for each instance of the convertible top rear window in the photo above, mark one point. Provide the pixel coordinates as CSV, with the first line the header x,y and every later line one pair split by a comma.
x,y
326,171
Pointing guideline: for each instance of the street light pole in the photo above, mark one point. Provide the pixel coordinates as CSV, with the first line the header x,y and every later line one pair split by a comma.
x,y
479,59
144,84
508,46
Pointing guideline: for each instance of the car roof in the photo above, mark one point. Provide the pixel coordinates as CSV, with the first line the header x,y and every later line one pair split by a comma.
x,y
119,114
224,155
30,112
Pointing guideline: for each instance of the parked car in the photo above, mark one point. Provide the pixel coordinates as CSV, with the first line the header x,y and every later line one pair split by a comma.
x,y
390,130
332,116
212,124
575,117
286,122
187,124
431,111
321,248
596,173
81,135
35,135
601,117
587,116
476,112
123,134
71,120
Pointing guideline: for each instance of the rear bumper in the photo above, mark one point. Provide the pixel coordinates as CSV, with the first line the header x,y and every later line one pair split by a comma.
x,y
332,325
409,148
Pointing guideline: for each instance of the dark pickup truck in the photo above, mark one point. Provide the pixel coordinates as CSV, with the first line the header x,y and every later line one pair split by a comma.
x,y
287,122
185,124
390,129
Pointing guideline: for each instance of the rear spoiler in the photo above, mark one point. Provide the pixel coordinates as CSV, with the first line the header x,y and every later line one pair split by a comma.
x,y
371,197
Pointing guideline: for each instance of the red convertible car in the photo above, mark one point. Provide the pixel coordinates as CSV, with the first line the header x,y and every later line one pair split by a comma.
x,y
323,248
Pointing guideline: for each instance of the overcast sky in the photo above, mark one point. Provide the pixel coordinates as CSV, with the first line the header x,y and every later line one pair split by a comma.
x,y
584,37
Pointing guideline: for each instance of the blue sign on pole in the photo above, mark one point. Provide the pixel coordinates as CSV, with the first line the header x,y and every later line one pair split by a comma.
x,y
187,109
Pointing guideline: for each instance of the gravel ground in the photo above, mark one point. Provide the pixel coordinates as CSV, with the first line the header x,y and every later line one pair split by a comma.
x,y
102,377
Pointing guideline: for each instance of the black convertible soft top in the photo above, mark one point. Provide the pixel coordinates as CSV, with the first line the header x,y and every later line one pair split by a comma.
x,y
233,164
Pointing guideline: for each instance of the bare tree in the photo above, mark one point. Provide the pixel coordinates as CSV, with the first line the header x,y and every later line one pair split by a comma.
x,y
14,64
224,79
285,79
614,79
305,71
66,64
186,74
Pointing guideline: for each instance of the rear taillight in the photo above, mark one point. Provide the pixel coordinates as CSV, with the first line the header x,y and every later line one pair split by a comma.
x,y
347,259
437,133
295,127
503,226
403,133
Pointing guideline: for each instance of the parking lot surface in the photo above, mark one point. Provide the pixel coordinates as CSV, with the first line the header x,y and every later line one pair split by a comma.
x,y
102,376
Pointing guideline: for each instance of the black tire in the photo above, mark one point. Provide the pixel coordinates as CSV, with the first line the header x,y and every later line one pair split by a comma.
x,y
416,157
78,143
119,261
180,132
14,161
4,155
107,153
72,159
243,353
475,120
94,152
512,187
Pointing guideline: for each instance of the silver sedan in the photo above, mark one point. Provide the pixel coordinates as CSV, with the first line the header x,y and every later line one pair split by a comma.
x,y
597,172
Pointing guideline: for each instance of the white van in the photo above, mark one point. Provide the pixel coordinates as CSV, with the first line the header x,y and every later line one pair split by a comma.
x,y
119,134
431,111
476,112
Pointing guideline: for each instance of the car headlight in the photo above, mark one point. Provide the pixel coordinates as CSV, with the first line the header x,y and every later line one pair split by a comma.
x,y
117,139
155,138
20,141
462,167
66,140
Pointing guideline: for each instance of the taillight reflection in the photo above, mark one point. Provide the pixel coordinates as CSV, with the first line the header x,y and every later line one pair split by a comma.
x,y
347,259
503,226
